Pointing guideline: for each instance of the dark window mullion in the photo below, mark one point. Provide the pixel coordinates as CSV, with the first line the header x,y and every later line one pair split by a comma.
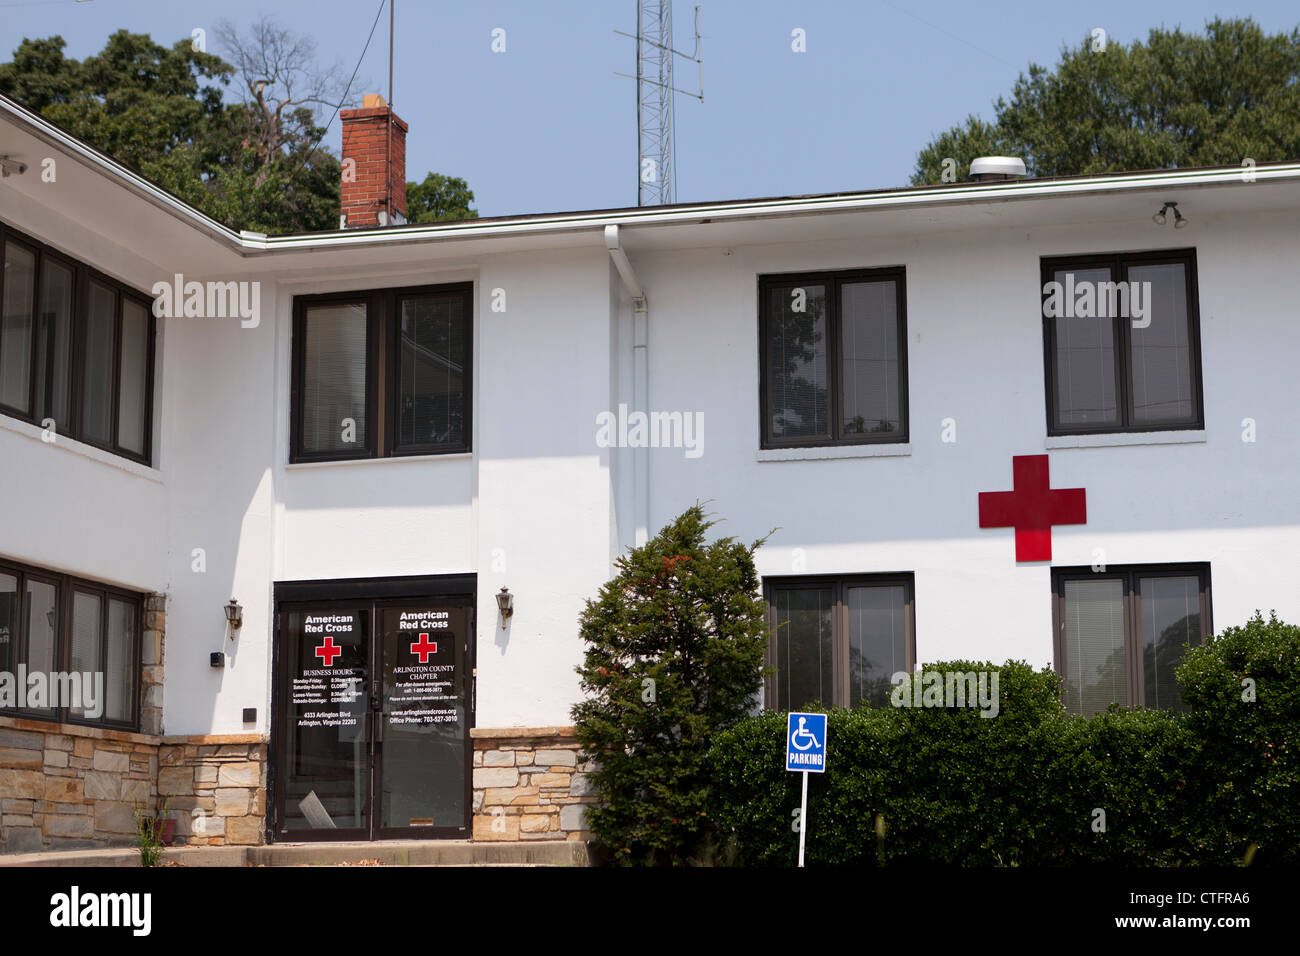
x,y
297,370
76,345
1046,274
151,354
22,642
136,660
115,397
382,306
834,356
63,635
4,255
904,403
769,679
1059,622
38,266
103,648
764,391
1133,638
390,364
840,647
1123,353
1194,321
1207,625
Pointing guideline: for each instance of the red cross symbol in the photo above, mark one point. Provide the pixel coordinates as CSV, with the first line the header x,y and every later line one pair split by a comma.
x,y
327,651
1032,508
424,648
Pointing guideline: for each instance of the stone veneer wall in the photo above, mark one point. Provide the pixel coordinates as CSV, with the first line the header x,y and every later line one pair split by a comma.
x,y
151,662
529,784
68,787
215,787
65,787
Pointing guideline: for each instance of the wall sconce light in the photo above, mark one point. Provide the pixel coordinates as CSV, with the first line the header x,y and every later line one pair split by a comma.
x,y
1179,219
234,617
506,604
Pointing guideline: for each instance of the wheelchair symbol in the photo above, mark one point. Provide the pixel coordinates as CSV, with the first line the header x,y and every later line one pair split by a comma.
x,y
802,731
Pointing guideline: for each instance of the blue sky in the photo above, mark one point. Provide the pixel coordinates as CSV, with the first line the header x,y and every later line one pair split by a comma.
x,y
547,126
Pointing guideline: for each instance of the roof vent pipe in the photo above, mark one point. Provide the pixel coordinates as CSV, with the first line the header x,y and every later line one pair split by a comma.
x,y
991,169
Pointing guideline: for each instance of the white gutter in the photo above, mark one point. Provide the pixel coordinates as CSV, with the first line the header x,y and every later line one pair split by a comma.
x,y
777,208
640,383
955,194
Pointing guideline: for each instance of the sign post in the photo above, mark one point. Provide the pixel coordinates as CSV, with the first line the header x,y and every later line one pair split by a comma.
x,y
805,751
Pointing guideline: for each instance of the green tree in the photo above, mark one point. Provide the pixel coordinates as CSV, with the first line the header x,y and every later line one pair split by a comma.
x,y
1177,100
439,198
675,649
254,163
136,100
162,112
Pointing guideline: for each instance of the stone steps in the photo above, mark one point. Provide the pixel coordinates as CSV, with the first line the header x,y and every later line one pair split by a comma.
x,y
387,852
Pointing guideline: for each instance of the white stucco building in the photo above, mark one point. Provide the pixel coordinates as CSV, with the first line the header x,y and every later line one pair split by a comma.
x,y
856,370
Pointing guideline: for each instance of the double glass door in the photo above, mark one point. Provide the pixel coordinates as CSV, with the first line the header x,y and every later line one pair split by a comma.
x,y
372,719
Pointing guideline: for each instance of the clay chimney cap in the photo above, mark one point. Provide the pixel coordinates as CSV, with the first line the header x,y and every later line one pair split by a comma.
x,y
372,101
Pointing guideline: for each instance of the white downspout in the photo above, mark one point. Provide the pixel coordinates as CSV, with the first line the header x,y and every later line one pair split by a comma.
x,y
640,382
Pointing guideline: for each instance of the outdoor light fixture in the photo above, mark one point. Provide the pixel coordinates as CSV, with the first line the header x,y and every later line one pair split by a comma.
x,y
9,166
234,616
506,604
1160,218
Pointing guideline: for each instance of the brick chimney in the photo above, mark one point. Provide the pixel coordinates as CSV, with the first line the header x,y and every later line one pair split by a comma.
x,y
364,195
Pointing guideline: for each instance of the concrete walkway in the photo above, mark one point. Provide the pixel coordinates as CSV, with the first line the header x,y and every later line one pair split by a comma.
x,y
387,853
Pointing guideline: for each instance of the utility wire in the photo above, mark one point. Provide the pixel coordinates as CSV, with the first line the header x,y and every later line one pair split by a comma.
x,y
347,89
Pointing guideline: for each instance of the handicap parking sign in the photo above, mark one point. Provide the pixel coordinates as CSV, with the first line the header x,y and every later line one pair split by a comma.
x,y
805,742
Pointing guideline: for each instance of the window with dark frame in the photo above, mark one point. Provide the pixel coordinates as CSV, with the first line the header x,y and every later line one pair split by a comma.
x,y
837,641
1104,374
833,358
52,622
382,373
76,347
1120,633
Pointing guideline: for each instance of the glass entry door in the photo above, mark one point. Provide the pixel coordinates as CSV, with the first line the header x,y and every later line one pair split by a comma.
x,y
424,778
328,735
371,723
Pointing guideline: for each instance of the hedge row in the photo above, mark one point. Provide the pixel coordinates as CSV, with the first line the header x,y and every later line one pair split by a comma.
x,y
1034,785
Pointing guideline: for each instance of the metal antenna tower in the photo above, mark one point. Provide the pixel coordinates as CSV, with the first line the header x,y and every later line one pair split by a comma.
x,y
656,170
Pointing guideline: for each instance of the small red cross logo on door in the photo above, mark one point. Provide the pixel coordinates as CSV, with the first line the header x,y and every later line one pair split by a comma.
x,y
423,648
327,651
1032,508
